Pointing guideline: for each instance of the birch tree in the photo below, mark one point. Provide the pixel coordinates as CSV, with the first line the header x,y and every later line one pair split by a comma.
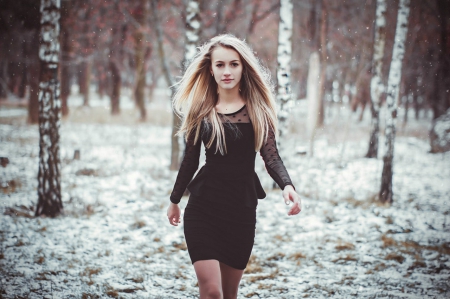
x,y
395,71
284,56
139,36
376,84
49,185
313,92
192,39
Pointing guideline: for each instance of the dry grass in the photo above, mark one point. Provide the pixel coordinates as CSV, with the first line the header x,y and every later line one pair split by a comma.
x,y
139,224
276,257
11,186
363,204
180,246
412,247
255,278
40,260
344,246
253,265
344,259
296,256
90,271
18,213
393,256
87,172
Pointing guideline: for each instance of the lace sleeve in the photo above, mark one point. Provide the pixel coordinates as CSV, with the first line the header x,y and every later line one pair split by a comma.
x,y
273,162
188,167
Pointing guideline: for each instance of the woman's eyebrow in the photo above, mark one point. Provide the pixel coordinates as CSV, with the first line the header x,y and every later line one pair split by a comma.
x,y
230,60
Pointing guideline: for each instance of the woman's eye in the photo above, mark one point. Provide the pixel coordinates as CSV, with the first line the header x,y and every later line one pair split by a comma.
x,y
235,64
219,65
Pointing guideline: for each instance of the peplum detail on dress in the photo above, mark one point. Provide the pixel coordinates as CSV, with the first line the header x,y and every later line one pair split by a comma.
x,y
243,184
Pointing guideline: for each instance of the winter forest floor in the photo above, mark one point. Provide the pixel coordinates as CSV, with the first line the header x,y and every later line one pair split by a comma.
x,y
115,241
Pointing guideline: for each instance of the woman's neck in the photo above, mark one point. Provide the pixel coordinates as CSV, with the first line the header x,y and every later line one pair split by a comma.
x,y
229,96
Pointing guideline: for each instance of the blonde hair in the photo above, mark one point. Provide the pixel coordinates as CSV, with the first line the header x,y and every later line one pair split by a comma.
x,y
196,95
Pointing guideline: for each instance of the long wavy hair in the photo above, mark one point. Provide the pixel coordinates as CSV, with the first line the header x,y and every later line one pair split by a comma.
x,y
196,94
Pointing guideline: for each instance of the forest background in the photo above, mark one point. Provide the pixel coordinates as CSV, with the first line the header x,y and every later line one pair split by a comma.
x,y
117,59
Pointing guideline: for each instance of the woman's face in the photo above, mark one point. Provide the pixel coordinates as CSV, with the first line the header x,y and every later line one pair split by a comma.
x,y
226,68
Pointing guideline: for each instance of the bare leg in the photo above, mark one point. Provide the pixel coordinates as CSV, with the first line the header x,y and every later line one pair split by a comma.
x,y
209,281
230,281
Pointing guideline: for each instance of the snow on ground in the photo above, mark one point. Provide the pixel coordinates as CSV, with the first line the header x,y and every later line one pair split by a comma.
x,y
115,241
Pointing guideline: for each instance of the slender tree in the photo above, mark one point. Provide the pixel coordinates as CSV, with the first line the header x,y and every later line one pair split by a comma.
x,y
284,94
323,60
64,65
441,94
33,100
192,38
313,99
140,14
49,185
116,46
394,80
376,84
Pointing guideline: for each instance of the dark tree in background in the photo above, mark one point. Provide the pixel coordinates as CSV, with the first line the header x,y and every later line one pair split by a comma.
x,y
441,93
49,185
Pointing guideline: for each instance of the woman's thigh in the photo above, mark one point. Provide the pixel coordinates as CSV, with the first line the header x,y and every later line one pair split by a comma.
x,y
231,278
208,276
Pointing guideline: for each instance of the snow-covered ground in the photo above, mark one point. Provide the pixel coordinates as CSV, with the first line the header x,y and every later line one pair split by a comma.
x,y
115,241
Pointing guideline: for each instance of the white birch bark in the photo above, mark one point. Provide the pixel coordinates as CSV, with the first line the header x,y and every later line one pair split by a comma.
x,y
49,184
376,84
284,63
192,33
313,99
192,39
395,73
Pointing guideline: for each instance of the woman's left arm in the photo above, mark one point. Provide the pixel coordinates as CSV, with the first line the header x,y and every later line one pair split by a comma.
x,y
276,169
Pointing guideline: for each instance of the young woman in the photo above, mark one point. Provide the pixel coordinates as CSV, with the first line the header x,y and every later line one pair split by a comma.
x,y
226,102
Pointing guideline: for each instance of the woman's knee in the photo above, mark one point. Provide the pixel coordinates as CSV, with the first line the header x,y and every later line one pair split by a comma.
x,y
212,291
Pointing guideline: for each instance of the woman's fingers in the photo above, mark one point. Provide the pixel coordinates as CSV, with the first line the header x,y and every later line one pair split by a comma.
x,y
174,220
296,208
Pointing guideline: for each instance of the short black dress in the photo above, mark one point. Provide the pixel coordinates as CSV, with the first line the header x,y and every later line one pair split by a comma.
x,y
220,217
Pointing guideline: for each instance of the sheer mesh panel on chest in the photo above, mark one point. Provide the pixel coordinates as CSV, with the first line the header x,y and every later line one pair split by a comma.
x,y
240,116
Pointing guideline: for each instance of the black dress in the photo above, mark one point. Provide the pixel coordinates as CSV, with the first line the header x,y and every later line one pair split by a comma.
x,y
220,217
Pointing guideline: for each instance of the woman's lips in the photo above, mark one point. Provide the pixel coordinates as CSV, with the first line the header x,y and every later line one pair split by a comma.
x,y
227,80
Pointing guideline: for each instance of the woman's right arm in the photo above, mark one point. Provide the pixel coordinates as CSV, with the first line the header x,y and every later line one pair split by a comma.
x,y
188,167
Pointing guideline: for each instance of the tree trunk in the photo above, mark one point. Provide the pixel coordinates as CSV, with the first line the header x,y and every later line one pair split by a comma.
x,y
33,101
49,185
116,86
192,39
23,73
441,95
313,99
395,71
323,61
284,55
64,64
139,92
86,79
376,84
115,62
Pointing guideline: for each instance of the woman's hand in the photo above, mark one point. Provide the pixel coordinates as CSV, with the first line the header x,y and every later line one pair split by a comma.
x,y
174,214
289,195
